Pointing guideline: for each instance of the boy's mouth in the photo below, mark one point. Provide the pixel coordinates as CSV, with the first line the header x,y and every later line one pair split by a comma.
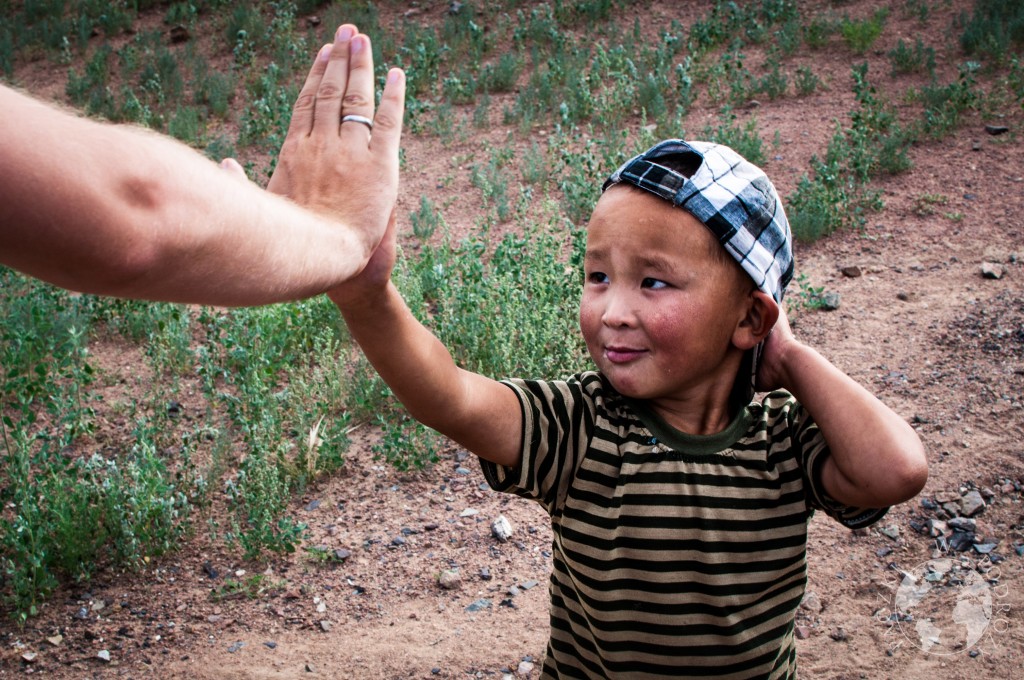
x,y
622,355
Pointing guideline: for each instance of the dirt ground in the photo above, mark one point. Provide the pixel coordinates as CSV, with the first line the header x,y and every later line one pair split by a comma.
x,y
917,323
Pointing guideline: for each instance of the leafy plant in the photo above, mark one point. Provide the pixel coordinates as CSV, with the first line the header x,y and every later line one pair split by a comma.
x,y
860,34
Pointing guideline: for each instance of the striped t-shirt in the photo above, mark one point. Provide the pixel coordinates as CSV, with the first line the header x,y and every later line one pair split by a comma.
x,y
674,555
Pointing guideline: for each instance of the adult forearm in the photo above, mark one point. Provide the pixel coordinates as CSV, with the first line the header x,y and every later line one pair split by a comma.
x,y
122,211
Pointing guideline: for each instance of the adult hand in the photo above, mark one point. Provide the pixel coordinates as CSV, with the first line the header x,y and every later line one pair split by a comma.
x,y
347,171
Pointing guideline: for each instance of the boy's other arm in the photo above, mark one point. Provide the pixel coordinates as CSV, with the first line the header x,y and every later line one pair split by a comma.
x,y
479,413
877,459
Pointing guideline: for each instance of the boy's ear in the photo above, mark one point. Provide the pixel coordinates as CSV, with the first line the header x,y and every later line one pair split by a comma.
x,y
762,313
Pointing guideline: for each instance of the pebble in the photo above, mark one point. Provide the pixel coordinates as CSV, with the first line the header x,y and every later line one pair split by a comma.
x,y
449,579
325,626
851,272
235,646
838,634
971,503
312,505
803,632
501,529
996,129
525,668
992,270
270,644
103,655
479,605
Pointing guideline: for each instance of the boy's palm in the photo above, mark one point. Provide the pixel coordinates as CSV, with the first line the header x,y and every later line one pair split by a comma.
x,y
370,282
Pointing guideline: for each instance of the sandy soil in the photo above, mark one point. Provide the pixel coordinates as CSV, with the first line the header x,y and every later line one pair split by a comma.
x,y
919,325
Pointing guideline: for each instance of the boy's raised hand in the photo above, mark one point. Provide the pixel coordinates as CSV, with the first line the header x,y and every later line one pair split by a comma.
x,y
771,374
347,171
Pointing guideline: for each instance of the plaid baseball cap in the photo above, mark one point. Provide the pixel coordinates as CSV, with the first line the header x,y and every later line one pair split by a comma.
x,y
730,195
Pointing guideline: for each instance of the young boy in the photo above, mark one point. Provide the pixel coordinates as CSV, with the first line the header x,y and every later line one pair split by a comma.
x,y
679,506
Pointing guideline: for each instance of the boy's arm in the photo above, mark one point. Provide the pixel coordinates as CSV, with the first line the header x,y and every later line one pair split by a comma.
x,y
877,459
479,413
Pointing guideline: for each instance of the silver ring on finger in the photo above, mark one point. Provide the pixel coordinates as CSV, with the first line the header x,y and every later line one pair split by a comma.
x,y
353,118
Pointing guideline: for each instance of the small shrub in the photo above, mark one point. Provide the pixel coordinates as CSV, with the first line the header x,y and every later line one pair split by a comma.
x,y
860,34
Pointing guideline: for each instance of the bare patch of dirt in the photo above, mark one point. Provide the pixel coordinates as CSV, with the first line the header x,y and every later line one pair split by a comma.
x,y
920,326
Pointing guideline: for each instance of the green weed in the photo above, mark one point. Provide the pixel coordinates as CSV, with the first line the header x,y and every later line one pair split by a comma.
x,y
860,34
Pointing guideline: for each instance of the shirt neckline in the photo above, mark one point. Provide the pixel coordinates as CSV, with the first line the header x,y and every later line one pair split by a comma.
x,y
691,443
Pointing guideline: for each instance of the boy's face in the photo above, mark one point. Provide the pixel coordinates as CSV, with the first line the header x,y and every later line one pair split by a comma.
x,y
659,307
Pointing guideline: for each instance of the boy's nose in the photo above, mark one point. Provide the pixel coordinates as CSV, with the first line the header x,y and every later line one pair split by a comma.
x,y
618,312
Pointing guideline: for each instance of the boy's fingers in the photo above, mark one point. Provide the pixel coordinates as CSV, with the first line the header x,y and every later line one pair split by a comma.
x,y
333,84
358,99
387,124
305,105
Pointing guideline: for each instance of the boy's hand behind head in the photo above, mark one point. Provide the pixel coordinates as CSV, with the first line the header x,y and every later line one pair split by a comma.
x,y
772,372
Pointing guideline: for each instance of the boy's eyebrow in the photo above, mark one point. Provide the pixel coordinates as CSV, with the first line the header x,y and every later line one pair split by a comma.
x,y
651,261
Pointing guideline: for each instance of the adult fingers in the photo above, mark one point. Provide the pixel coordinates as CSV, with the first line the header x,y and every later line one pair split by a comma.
x,y
358,99
305,105
332,85
387,124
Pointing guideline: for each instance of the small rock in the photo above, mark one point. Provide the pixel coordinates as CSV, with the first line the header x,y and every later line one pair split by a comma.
x,y
174,409
312,505
811,603
525,668
449,579
270,644
103,655
235,646
963,524
851,272
975,146
501,529
30,657
55,640
82,613
802,632
325,626
529,584
971,503
469,512
892,531
310,668
995,130
992,270
838,634
936,528
829,302
209,570
485,574
479,605
962,541
984,548
313,21
342,554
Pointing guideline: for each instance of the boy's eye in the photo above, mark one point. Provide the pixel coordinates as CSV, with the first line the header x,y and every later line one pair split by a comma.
x,y
597,277
652,283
